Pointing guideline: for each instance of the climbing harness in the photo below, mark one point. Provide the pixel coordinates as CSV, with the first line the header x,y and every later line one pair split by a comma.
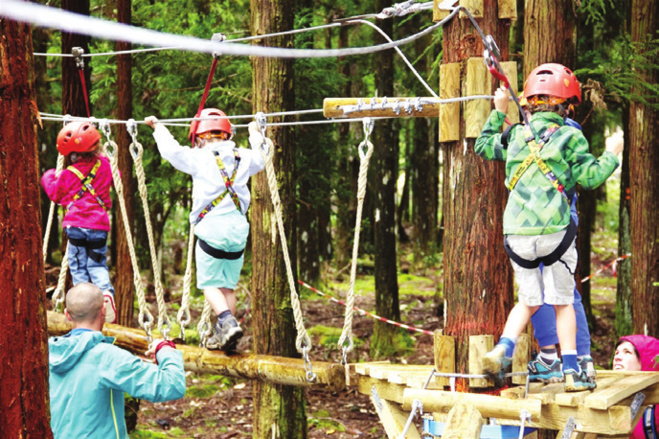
x,y
228,184
195,123
650,422
365,153
302,341
77,53
145,318
86,186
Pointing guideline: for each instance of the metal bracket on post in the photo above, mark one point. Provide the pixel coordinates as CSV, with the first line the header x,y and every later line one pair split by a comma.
x,y
569,428
77,53
376,399
637,403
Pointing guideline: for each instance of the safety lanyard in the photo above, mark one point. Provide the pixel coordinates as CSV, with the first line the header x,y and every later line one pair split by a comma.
x,y
86,185
534,156
228,184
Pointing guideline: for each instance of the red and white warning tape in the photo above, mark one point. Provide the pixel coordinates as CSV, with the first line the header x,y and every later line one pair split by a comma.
x,y
362,312
613,262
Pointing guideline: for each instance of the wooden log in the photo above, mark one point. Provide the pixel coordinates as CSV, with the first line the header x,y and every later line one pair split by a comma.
x,y
444,350
521,358
334,107
475,7
510,69
488,405
464,422
479,345
508,9
390,392
477,83
449,114
279,370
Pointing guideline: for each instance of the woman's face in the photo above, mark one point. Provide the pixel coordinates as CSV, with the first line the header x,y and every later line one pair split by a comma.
x,y
626,358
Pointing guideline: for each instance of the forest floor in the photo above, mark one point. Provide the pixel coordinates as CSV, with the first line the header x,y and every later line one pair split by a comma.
x,y
220,407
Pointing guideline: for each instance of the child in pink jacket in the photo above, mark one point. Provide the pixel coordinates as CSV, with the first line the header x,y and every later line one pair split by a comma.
x,y
83,188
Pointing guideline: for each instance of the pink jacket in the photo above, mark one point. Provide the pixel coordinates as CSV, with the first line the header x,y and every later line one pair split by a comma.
x,y
648,351
86,211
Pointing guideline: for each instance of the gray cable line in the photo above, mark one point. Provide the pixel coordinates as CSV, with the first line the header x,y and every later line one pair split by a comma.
x,y
70,22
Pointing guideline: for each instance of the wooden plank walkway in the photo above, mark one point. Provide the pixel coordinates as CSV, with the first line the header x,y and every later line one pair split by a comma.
x,y
603,412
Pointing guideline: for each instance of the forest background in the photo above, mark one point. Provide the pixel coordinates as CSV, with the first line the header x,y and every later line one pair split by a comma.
x,y
169,84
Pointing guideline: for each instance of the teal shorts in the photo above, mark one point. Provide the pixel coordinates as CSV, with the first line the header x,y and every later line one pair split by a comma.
x,y
226,232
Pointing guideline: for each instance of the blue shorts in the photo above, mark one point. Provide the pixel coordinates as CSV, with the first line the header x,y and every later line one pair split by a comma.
x,y
226,232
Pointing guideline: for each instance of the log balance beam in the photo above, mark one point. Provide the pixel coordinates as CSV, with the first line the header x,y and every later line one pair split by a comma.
x,y
277,370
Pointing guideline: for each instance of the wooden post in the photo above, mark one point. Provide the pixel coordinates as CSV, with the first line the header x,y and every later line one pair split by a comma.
x,y
477,82
521,358
464,422
449,114
510,69
267,368
508,9
479,345
444,356
475,7
393,419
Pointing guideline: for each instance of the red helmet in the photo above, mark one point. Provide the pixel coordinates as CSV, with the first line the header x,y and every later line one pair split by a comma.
x,y
77,137
552,80
220,123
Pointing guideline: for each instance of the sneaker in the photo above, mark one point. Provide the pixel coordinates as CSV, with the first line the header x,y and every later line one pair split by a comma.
x,y
577,381
586,363
547,373
110,309
495,363
225,335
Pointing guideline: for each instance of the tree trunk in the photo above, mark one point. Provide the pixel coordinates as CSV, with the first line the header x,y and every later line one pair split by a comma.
x,y
73,96
385,167
123,280
23,339
644,181
478,279
624,322
279,411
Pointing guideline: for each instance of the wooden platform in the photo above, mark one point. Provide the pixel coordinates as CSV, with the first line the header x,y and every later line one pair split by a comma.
x,y
604,412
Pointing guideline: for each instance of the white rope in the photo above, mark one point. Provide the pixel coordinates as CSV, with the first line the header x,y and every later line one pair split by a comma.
x,y
70,22
145,317
117,52
183,317
365,152
302,341
136,151
51,211
58,294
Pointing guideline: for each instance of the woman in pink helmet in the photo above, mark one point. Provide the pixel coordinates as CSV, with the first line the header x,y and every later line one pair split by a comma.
x,y
83,188
220,199
640,353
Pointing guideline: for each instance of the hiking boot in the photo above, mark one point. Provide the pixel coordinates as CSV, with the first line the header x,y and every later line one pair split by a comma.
x,y
225,335
495,363
587,364
547,373
576,381
110,308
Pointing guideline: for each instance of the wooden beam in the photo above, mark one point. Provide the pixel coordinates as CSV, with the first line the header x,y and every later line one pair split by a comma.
x,y
444,350
510,69
620,390
279,370
488,405
390,392
479,345
438,14
464,422
477,83
449,114
393,419
378,107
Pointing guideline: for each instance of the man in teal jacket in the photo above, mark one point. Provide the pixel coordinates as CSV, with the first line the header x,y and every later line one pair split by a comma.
x,y
89,375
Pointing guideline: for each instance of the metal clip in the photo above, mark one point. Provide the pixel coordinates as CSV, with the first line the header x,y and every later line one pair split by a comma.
x,y
104,125
131,126
384,103
368,127
372,103
77,53
360,104
396,107
569,428
218,38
